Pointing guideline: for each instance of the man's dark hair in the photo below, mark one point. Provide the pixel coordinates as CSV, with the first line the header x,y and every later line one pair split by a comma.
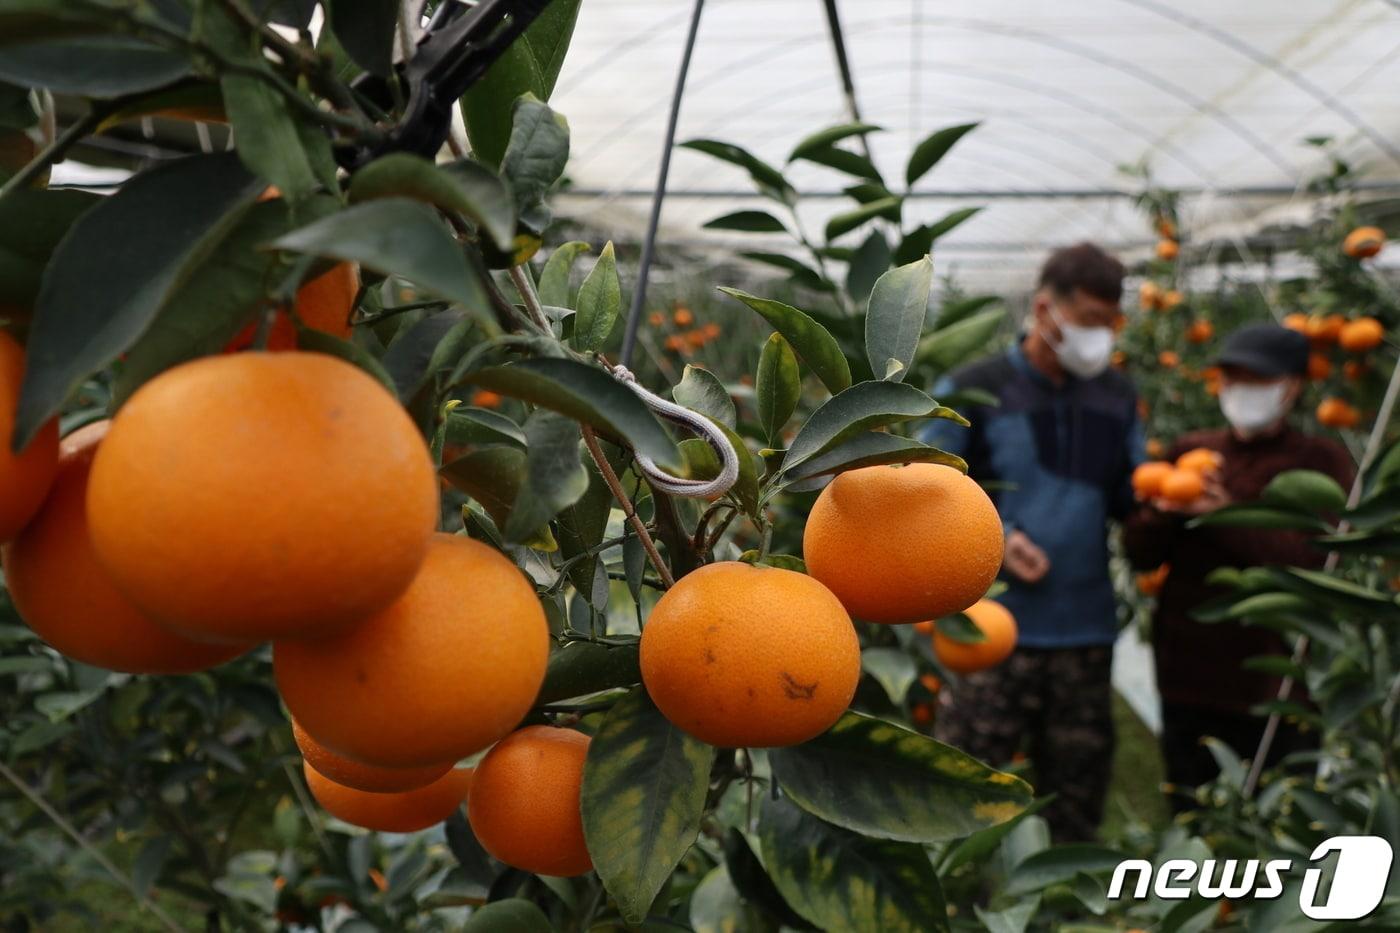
x,y
1085,266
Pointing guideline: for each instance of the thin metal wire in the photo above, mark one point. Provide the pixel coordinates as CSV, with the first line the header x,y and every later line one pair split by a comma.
x,y
639,293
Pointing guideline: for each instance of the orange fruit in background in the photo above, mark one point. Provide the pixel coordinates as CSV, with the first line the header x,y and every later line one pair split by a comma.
x,y
656,318
1119,359
1353,370
485,398
930,682
1296,321
683,317
25,476
524,807
1172,299
1200,331
1182,486
1150,295
401,812
904,543
448,668
1168,250
1150,582
921,714
64,595
1324,330
1319,367
1147,478
1337,413
1168,359
1166,228
323,304
740,655
1201,460
1364,242
260,495
999,627
350,773
1155,448
1360,335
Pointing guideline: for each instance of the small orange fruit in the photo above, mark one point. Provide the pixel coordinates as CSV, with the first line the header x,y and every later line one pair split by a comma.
x,y
656,319
25,476
904,543
1155,448
1172,299
485,398
524,806
1323,331
1353,370
711,330
448,668
1150,582
921,713
1200,331
1168,359
1319,366
999,627
683,317
1296,321
1150,295
1201,460
324,304
1360,335
931,683
1364,242
1147,478
259,495
676,343
401,812
1166,228
740,655
696,338
1182,486
64,595
1167,250
351,773
1337,413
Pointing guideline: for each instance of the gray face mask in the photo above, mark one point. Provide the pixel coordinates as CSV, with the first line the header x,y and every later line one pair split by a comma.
x,y
1252,408
1083,351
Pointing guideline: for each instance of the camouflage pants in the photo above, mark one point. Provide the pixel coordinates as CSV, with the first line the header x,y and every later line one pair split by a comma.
x,y
1053,704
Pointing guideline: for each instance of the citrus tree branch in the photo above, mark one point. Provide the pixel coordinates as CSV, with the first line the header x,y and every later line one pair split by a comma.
x,y
615,486
55,150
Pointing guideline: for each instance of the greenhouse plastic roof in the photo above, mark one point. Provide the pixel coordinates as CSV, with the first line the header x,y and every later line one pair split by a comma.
x,y
1216,97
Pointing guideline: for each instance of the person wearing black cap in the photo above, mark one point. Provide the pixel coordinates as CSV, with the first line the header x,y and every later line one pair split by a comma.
x,y
1205,688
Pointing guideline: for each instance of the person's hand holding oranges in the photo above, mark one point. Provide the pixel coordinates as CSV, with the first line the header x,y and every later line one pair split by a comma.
x,y
1190,486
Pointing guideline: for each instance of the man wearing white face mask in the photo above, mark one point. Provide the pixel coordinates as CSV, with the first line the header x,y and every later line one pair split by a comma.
x,y
1200,668
1057,453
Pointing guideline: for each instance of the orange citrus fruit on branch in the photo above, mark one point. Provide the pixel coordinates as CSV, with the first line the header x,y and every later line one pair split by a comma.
x,y
1147,478
1360,335
354,774
1200,331
24,476
1168,249
324,304
1201,460
996,624
1182,486
904,543
524,806
1337,413
399,812
65,595
740,655
1323,330
1319,366
1150,295
1296,321
1364,242
445,670
261,495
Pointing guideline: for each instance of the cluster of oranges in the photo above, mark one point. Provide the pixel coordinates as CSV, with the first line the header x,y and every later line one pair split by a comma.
x,y
1181,482
1153,297
1364,242
690,337
1326,333
1168,248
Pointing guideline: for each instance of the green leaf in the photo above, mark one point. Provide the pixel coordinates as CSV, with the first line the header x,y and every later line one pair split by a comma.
x,y
467,426
777,387
117,266
365,29
271,142
769,181
960,628
919,241
1013,919
799,271
898,306
492,476
874,448
463,187
581,529
1258,516
843,160
701,391
863,406
587,394
928,153
865,193
149,862
822,139
717,907
419,351
887,208
530,66
884,781
842,881
394,236
512,915
812,343
599,303
582,667
32,222
748,222
752,881
102,67
554,280
957,343
643,795
554,476
1306,491
1059,864
536,155
868,263
983,843
893,668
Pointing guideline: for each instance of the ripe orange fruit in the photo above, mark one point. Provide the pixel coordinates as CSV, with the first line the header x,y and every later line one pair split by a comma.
x,y
67,598
1155,448
904,543
1324,331
324,304
696,338
1319,367
1150,582
931,683
1360,335
262,495
448,668
1182,486
1364,242
1200,331
401,812
656,318
1168,250
683,317
1296,321
1147,478
1337,413
24,477
740,655
711,331
1166,228
676,343
921,713
965,657
1201,460
1150,295
524,806
350,773
1119,359
1353,370
485,398
1168,359
1172,299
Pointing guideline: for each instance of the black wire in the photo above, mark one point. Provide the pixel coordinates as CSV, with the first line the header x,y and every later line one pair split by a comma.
x,y
843,64
639,294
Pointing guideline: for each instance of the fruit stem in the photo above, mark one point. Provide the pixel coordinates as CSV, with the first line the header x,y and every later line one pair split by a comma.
x,y
590,440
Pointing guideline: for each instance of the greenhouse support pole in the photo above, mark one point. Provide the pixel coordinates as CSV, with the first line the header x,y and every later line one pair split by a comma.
x,y
843,65
639,294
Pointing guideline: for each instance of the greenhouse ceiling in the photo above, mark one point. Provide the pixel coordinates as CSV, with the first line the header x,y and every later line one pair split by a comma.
x,y
1216,98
